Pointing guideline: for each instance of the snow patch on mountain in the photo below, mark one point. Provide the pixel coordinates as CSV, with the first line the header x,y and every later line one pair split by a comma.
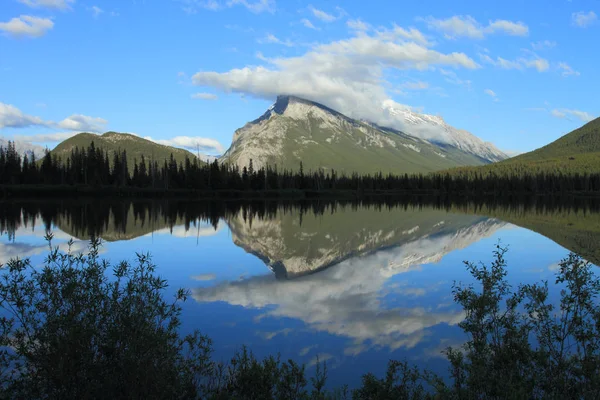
x,y
435,130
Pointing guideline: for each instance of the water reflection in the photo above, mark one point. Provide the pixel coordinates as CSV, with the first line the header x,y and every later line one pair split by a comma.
x,y
324,224
293,247
20,246
356,282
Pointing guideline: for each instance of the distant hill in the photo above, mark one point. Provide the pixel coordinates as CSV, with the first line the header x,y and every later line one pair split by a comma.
x,y
575,152
295,130
135,147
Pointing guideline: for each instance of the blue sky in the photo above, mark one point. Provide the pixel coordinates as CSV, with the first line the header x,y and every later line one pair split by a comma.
x,y
518,74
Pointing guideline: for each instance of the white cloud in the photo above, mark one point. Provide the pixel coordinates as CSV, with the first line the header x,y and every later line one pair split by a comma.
x,y
204,96
46,137
192,143
543,45
467,26
507,27
416,85
322,15
305,350
27,25
508,64
52,4
96,11
357,25
451,77
83,123
321,358
270,38
567,70
554,267
192,6
204,277
210,5
256,7
583,19
306,22
12,117
456,26
346,75
24,250
534,62
567,113
540,64
399,33
492,94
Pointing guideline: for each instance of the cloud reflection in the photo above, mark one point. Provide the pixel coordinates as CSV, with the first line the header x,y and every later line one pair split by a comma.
x,y
28,249
347,299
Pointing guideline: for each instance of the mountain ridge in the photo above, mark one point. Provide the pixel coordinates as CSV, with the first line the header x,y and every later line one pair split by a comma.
x,y
576,152
296,130
435,125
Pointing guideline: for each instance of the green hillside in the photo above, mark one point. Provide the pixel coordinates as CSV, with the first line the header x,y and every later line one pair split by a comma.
x,y
135,147
575,152
577,230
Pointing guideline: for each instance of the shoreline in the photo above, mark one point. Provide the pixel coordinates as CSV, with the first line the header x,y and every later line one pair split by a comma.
x,y
8,192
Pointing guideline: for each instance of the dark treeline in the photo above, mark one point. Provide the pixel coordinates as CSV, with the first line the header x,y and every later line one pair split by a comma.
x,y
93,167
92,218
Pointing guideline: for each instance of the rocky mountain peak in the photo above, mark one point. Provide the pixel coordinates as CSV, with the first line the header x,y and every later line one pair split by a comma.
x,y
283,101
295,130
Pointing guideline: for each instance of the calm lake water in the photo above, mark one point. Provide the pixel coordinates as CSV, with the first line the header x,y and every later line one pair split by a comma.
x,y
352,285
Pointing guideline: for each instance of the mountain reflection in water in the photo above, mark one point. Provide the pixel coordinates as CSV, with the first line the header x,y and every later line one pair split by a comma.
x,y
356,282
294,238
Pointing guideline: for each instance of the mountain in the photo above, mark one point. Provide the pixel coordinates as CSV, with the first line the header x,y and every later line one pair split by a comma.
x,y
134,145
23,147
293,245
357,297
436,130
575,152
207,158
296,130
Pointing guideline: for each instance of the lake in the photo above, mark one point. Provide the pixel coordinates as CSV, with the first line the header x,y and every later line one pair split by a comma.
x,y
350,283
